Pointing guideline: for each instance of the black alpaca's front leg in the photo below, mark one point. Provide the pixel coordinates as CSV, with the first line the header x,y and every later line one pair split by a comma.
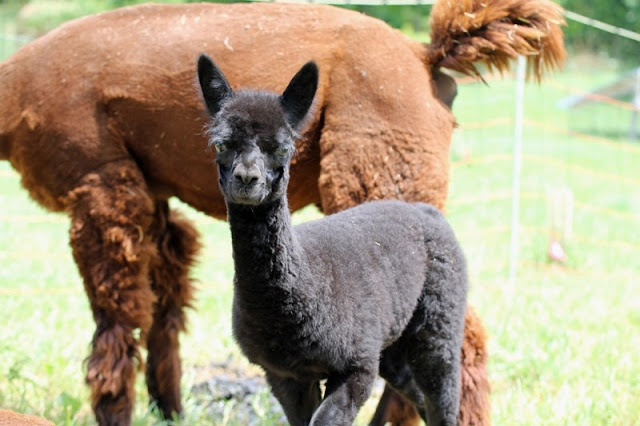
x,y
344,396
298,399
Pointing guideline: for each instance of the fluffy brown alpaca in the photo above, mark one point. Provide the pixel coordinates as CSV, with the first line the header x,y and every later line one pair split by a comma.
x,y
99,118
11,418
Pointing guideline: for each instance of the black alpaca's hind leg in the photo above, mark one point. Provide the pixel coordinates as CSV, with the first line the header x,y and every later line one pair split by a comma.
x,y
435,363
298,399
433,354
344,395
111,211
395,369
434,350
177,245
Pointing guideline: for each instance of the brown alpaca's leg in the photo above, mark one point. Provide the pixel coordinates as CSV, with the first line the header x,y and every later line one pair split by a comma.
x,y
475,407
177,245
111,212
394,409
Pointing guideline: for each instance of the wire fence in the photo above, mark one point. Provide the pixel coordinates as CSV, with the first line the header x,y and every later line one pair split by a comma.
x,y
550,129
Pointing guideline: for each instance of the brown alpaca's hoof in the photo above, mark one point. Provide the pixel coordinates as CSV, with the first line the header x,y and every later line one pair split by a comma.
x,y
11,418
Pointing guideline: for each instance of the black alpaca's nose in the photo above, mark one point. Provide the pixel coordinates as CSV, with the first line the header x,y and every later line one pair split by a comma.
x,y
247,175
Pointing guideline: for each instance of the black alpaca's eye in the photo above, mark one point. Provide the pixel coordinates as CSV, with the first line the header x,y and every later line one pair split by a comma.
x,y
283,151
220,147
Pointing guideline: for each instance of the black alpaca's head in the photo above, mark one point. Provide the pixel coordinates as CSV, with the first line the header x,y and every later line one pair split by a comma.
x,y
254,132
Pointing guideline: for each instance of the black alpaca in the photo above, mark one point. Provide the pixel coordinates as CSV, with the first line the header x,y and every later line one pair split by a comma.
x,y
379,288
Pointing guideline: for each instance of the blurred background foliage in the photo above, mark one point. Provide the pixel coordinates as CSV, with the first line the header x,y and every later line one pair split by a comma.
x,y
620,13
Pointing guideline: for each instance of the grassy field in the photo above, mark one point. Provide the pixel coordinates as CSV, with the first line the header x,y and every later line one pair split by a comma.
x,y
564,338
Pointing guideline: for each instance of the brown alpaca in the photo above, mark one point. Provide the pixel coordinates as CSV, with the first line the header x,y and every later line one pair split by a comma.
x,y
102,120
11,418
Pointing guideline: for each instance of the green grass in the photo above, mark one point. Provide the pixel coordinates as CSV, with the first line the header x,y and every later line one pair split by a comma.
x,y
563,340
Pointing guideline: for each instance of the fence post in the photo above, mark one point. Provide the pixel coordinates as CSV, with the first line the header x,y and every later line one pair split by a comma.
x,y
517,165
633,130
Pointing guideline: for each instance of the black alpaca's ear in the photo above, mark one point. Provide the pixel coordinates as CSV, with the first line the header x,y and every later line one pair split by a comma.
x,y
298,96
215,87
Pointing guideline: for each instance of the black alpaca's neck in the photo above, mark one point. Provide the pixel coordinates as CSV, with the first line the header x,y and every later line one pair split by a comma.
x,y
264,248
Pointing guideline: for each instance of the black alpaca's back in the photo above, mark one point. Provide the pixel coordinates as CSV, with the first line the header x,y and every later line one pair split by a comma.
x,y
379,288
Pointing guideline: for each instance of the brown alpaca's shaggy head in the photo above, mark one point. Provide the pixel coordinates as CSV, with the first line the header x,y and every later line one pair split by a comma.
x,y
254,132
